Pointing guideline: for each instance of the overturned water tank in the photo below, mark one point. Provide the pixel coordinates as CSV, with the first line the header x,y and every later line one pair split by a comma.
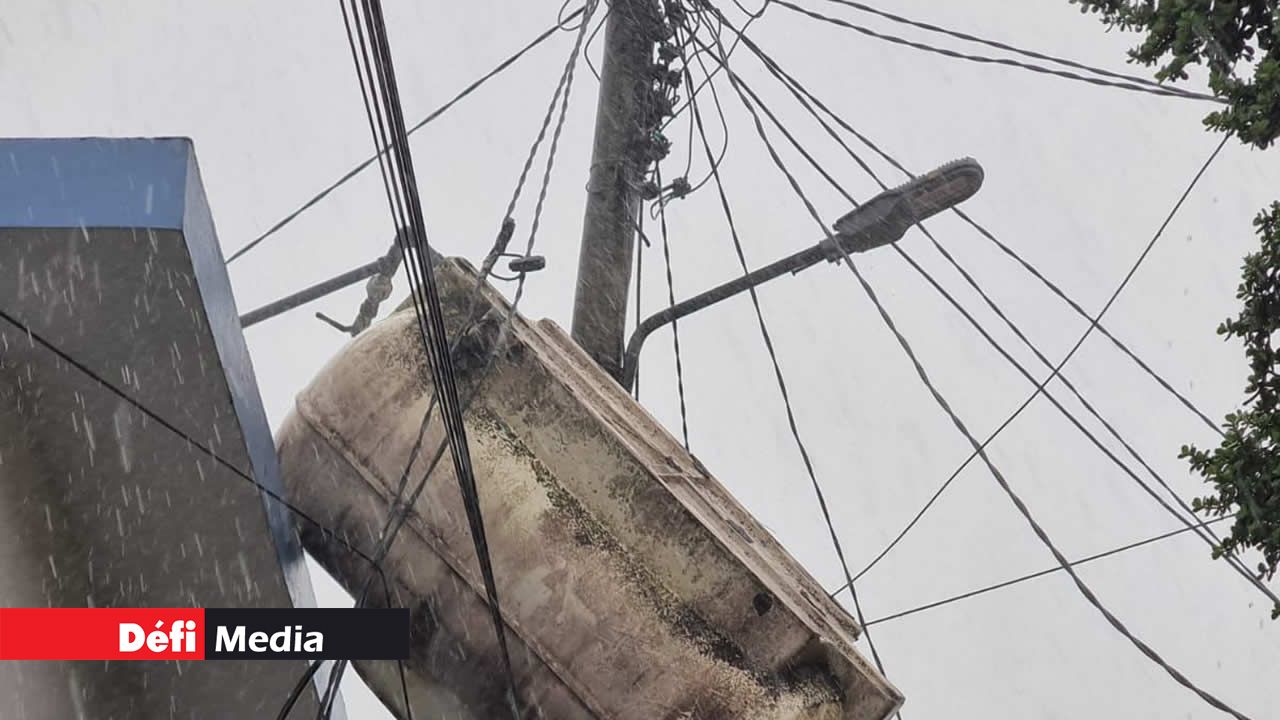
x,y
633,585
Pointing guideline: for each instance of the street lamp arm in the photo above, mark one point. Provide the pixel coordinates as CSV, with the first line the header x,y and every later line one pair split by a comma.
x,y
880,221
790,264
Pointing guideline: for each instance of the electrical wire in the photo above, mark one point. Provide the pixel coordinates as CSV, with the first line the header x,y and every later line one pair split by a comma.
x,y
399,504
709,177
794,84
542,37
1021,51
707,80
753,15
1101,329
1047,571
594,33
1158,90
979,449
399,508
39,339
1092,326
382,95
724,126
299,688
562,20
781,382
635,385
374,93
791,81
675,331
1205,534
36,338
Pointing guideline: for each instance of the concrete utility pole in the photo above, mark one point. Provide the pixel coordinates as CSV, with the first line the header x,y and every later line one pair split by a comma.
x,y
617,170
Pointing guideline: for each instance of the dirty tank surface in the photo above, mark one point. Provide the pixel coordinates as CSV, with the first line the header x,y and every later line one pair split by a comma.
x,y
633,585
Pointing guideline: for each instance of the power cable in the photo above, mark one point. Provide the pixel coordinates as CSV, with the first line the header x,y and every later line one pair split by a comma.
x,y
773,357
62,355
1158,90
372,81
1101,329
562,20
299,688
400,507
635,389
1093,324
382,94
591,38
752,15
542,37
979,449
1007,250
675,331
791,81
1020,51
1046,571
37,338
1205,534
988,235
379,95
794,84
752,18
694,92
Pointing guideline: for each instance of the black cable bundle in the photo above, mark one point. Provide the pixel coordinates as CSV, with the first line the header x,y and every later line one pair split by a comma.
x,y
371,51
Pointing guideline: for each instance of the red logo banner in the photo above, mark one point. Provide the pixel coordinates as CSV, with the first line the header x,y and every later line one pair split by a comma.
x,y
101,633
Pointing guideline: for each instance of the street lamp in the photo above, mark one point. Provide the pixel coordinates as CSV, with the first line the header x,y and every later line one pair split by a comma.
x,y
881,220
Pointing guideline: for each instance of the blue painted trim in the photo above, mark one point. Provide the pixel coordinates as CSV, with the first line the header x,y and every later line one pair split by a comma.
x,y
93,182
237,366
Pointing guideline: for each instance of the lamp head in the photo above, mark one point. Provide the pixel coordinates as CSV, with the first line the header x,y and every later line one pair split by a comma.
x,y
887,217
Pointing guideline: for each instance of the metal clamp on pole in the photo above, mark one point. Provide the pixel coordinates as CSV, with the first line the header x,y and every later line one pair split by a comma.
x,y
880,221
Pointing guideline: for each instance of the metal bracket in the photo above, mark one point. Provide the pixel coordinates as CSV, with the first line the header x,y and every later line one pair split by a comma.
x,y
380,272
377,290
880,221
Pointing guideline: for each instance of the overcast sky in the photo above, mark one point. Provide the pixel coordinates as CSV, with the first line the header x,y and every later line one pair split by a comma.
x,y
1078,178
